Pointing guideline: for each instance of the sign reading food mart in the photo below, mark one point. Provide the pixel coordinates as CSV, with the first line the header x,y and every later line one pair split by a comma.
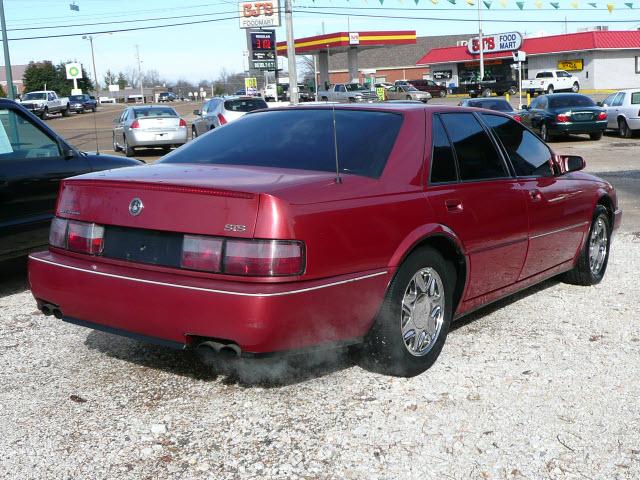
x,y
259,14
500,42
571,65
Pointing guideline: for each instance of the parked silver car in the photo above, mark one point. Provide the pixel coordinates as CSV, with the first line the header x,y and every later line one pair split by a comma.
x,y
623,111
407,92
148,126
221,110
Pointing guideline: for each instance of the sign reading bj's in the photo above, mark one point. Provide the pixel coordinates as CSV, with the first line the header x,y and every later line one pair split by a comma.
x,y
501,42
258,14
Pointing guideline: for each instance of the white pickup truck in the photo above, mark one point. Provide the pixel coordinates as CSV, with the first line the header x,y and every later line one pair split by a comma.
x,y
45,102
549,81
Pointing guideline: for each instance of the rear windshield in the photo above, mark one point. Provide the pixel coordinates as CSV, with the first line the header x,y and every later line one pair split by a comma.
x,y
245,105
300,139
499,105
544,75
354,87
77,98
34,96
635,97
155,112
570,101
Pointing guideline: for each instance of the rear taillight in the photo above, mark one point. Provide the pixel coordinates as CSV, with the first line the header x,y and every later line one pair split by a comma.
x,y
263,257
183,123
201,253
85,237
135,124
58,232
602,116
517,118
222,119
562,117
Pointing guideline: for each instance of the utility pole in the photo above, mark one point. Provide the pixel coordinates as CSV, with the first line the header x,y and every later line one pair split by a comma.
x,y
140,72
93,59
7,60
291,54
480,41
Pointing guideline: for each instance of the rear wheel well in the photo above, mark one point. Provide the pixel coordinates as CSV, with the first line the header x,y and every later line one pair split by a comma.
x,y
451,252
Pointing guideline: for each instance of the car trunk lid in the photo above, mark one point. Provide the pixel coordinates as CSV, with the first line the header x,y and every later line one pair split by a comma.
x,y
158,124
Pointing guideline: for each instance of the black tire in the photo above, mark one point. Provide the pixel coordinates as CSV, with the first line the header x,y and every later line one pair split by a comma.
x,y
66,112
544,133
45,114
582,273
385,348
128,151
575,88
116,148
409,97
499,94
550,90
443,93
623,129
93,110
324,99
194,132
513,90
473,95
486,92
595,136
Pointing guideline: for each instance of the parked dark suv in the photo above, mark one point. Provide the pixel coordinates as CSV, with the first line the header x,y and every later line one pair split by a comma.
x,y
33,160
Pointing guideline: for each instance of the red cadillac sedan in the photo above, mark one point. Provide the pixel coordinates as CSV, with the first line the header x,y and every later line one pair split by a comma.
x,y
315,227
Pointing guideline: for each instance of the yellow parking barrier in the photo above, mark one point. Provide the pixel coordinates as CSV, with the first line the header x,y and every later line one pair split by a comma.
x,y
528,98
506,97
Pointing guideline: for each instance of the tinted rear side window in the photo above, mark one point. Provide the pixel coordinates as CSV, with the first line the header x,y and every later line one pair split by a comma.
x,y
299,138
529,156
635,98
245,105
477,157
443,165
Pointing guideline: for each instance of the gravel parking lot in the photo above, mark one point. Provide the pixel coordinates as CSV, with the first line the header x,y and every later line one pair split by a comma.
x,y
542,385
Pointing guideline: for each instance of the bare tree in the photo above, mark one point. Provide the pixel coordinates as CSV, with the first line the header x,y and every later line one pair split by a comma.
x,y
132,74
151,78
306,68
110,78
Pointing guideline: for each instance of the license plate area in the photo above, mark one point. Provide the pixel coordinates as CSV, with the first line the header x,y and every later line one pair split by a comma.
x,y
582,117
143,246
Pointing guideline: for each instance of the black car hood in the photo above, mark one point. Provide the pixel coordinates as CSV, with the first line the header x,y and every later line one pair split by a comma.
x,y
106,162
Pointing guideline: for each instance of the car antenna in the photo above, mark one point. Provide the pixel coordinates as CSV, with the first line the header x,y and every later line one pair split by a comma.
x,y
335,143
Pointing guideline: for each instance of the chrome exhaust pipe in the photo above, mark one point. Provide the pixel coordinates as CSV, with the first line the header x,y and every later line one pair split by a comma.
x,y
46,310
57,313
223,349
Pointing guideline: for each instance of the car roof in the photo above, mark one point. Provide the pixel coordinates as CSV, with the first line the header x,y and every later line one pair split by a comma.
x,y
397,107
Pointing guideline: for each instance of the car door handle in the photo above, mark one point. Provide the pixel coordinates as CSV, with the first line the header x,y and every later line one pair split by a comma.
x,y
453,205
535,195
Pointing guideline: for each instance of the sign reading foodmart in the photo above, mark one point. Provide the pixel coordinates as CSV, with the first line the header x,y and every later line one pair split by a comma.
x,y
259,14
501,42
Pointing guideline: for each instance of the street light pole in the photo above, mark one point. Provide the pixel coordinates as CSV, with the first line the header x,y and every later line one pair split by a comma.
x,y
7,60
480,41
93,59
291,54
140,73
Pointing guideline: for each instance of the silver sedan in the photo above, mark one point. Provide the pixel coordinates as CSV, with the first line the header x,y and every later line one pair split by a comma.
x,y
221,110
148,126
407,92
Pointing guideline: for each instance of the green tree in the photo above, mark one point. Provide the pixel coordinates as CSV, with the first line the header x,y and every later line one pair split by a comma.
x,y
110,78
41,75
122,80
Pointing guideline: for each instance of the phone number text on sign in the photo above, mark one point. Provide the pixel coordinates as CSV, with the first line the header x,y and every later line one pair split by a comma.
x,y
501,42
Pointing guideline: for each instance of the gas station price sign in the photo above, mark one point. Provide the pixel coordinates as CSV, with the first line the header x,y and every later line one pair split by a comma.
x,y
263,50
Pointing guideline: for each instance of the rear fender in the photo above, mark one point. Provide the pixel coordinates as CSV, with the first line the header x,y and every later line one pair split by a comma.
x,y
418,235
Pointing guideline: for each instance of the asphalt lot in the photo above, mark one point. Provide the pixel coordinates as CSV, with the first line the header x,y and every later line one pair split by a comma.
x,y
542,385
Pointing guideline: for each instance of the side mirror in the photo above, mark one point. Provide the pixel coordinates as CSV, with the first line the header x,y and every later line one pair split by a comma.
x,y
570,163
600,104
524,107
68,152
197,113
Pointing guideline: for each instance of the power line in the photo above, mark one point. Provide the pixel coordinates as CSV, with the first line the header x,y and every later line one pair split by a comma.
x,y
454,9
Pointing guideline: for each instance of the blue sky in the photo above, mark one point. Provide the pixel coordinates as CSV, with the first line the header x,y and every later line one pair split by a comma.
x,y
197,52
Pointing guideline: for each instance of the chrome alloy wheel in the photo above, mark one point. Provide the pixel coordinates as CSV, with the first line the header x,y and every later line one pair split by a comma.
x,y
422,312
598,245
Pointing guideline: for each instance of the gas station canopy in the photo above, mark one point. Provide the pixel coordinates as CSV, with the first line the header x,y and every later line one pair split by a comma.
x,y
350,42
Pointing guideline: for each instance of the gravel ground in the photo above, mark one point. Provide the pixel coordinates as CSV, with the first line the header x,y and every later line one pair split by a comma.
x,y
544,385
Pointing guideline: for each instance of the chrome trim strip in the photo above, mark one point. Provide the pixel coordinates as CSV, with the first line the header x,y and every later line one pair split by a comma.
x,y
210,290
559,230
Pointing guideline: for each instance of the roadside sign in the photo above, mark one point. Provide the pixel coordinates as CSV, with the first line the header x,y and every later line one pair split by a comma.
x,y
263,50
571,65
114,88
354,38
264,13
251,85
500,42
74,71
381,93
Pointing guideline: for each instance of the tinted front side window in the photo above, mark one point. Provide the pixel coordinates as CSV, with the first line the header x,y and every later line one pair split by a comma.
x,y
477,157
443,166
301,139
529,156
22,140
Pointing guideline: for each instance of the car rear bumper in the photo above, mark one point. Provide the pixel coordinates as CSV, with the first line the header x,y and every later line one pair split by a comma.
x,y
152,139
176,308
579,127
